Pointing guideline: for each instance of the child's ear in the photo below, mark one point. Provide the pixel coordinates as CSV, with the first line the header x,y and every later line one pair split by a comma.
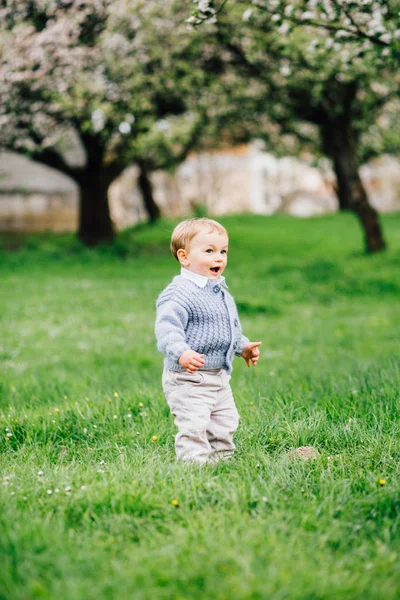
x,y
182,257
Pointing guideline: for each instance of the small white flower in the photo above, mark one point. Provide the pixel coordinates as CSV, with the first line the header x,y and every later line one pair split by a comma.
x,y
115,417
68,488
124,127
95,426
162,125
247,14
9,434
99,471
49,492
12,493
102,462
40,473
83,487
85,430
56,490
129,415
98,120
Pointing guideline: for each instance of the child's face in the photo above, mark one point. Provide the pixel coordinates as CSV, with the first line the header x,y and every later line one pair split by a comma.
x,y
207,254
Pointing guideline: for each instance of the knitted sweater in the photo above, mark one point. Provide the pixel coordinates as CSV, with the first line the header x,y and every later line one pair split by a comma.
x,y
201,319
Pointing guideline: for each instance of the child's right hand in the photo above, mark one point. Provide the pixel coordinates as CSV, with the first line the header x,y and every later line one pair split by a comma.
x,y
191,361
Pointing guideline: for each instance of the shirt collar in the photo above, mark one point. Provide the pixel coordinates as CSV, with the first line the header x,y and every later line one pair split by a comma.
x,y
201,280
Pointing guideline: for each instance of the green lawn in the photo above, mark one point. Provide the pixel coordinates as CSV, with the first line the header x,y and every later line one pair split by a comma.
x,y
86,501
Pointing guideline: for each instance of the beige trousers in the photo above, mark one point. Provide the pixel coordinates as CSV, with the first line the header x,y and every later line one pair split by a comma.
x,y
205,414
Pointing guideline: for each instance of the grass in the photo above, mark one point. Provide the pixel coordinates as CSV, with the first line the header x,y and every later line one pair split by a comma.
x,y
88,498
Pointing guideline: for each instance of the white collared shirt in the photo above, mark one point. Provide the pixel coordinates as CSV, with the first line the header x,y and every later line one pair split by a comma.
x,y
201,280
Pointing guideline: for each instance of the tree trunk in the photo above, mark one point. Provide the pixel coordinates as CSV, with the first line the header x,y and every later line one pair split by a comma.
x,y
147,193
95,225
339,143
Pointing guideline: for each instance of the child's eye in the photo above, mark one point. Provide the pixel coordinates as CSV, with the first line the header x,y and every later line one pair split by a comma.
x,y
209,251
223,251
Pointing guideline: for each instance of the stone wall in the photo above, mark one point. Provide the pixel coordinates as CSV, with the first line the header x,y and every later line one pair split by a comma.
x,y
242,179
34,197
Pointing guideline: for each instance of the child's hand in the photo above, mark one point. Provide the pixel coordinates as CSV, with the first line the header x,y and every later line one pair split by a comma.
x,y
251,353
191,361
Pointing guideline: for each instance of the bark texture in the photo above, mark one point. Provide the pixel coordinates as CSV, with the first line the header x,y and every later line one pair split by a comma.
x,y
95,225
340,143
146,188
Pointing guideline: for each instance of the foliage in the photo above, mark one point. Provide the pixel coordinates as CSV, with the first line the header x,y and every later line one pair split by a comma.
x,y
96,69
302,56
371,23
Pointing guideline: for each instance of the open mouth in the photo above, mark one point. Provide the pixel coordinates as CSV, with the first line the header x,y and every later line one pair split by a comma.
x,y
215,269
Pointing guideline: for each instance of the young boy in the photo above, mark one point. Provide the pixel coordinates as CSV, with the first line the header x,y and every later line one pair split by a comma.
x,y
198,331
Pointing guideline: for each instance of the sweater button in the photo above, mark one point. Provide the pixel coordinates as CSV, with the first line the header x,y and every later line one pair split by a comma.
x,y
216,288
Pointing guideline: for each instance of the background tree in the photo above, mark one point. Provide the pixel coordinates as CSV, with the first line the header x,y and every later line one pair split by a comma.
x,y
96,70
338,83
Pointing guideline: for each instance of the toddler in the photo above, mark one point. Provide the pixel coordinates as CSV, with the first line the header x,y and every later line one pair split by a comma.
x,y
199,332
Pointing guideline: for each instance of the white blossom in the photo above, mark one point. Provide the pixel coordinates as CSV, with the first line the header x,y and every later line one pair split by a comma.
x,y
124,127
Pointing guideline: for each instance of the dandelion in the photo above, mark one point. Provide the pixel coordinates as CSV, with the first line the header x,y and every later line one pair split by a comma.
x,y
141,404
116,394
65,398
382,482
175,502
251,403
57,410
154,438
109,400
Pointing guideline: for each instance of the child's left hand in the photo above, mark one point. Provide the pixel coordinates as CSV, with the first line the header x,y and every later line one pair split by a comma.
x,y
251,352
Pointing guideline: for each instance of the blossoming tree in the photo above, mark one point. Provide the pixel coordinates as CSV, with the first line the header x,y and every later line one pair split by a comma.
x,y
95,71
327,63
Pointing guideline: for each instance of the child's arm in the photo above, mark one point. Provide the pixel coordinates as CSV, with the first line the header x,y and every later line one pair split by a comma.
x,y
171,320
248,350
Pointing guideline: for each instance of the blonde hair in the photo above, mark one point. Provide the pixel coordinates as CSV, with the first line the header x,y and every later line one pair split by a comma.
x,y
185,231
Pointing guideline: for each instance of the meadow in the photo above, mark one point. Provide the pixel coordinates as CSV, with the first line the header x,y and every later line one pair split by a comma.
x,y
93,505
